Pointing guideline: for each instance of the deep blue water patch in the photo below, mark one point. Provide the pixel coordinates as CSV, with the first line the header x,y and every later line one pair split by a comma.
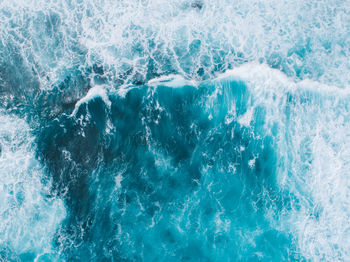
x,y
162,175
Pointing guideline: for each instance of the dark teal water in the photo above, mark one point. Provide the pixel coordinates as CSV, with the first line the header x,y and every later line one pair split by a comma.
x,y
166,182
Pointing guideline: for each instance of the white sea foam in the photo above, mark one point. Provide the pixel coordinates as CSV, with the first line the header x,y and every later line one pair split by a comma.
x,y
28,218
245,119
172,81
96,91
305,39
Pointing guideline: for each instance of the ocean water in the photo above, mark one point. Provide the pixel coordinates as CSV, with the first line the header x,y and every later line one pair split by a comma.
x,y
185,130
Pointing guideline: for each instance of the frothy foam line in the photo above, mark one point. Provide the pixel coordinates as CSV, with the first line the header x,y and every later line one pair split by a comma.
x,y
96,91
171,81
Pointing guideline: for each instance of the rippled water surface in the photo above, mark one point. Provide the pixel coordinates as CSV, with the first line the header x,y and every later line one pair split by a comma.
x,y
174,130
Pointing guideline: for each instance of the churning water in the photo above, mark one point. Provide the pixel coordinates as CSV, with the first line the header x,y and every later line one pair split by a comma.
x,y
185,130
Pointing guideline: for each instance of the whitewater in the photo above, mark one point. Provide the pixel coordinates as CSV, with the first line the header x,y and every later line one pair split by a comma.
x,y
187,130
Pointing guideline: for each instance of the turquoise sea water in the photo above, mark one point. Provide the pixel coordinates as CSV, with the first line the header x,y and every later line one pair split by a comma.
x,y
174,131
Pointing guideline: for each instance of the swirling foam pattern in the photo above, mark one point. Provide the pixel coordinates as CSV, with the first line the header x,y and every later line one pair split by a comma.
x,y
29,215
185,130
